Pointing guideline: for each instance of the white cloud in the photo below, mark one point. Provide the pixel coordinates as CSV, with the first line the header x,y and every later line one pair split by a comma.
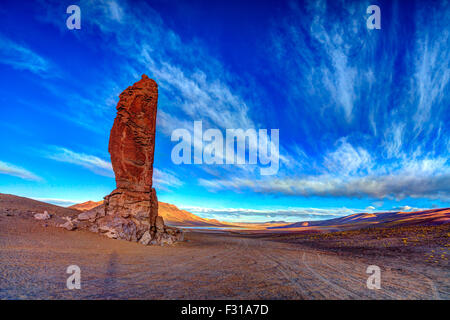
x,y
12,170
405,208
20,57
193,81
432,74
194,85
428,178
165,179
59,202
347,159
93,163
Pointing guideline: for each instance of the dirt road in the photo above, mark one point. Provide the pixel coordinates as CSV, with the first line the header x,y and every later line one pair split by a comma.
x,y
33,262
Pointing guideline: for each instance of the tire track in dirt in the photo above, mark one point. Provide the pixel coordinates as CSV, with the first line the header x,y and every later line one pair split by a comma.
x,y
330,276
192,271
428,280
290,259
284,271
286,263
339,289
348,274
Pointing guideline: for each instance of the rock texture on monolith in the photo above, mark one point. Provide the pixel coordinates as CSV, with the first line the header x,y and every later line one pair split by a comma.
x,y
131,210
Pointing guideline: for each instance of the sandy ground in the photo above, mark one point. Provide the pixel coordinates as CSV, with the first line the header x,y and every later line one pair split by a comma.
x,y
34,258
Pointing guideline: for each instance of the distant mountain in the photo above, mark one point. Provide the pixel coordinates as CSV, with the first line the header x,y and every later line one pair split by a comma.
x,y
379,219
85,206
177,217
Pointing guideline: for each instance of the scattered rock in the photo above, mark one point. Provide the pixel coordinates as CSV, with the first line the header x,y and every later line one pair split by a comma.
x,y
42,216
111,234
94,228
166,239
146,238
180,236
69,224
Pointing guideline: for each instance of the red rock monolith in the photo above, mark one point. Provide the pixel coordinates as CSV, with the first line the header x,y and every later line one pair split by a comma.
x,y
131,210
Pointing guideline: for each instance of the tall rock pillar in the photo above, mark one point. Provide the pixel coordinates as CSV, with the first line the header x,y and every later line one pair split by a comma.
x,y
131,210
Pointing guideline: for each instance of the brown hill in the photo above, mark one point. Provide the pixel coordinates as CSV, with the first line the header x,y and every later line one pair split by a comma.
x,y
379,219
22,206
85,206
177,217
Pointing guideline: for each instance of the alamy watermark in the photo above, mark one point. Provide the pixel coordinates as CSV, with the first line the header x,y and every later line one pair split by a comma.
x,y
374,280
374,20
210,147
74,280
74,20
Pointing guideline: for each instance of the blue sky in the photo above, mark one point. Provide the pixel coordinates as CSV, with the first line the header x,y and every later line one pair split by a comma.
x,y
363,114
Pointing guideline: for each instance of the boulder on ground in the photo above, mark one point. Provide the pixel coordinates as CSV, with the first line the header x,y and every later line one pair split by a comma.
x,y
69,224
42,216
146,238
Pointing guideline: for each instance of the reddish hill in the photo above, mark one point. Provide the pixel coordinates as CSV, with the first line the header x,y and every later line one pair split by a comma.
x,y
175,216
379,219
16,205
85,206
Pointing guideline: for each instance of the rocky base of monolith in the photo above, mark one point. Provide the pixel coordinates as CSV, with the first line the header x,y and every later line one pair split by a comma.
x,y
131,216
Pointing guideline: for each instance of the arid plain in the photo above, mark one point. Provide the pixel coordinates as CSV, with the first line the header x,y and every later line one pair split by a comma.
x,y
250,264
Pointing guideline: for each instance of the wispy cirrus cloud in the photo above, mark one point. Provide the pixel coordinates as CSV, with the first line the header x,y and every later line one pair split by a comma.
x,y
90,162
163,179
398,107
20,57
431,72
16,171
195,85
347,159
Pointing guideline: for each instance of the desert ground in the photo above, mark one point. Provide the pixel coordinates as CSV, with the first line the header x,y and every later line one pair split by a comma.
x,y
34,256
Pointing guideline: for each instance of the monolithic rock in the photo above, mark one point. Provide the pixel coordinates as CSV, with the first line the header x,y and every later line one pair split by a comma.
x,y
132,138
131,210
